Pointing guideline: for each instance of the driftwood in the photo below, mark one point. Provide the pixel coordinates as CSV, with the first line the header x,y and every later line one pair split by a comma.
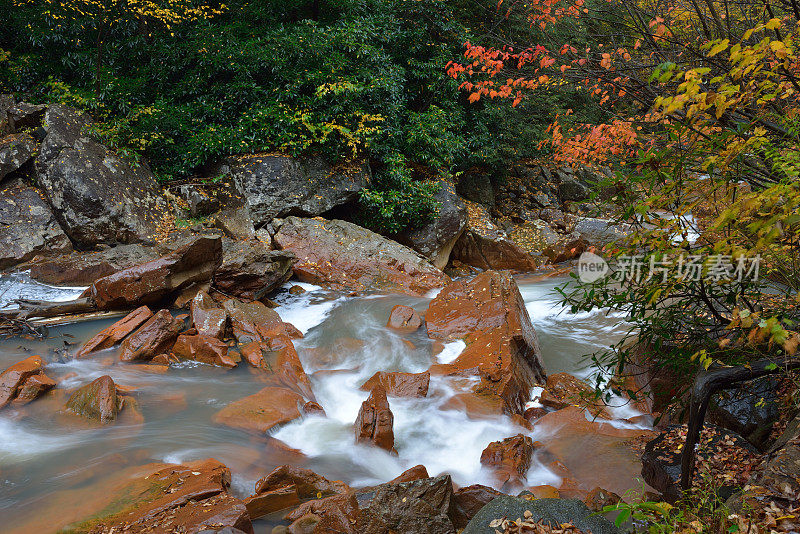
x,y
29,309
706,384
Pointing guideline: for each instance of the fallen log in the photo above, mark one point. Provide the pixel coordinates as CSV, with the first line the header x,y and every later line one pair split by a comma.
x,y
29,309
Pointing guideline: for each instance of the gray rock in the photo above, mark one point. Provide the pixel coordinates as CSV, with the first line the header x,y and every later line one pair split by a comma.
x,y
27,226
96,196
600,232
199,202
250,270
571,189
477,187
435,240
24,115
15,151
553,511
416,507
6,103
235,222
277,186
342,255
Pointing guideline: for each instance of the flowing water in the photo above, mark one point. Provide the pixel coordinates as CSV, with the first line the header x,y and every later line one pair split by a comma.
x,y
44,451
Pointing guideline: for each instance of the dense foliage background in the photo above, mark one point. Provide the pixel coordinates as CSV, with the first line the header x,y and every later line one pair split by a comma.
x,y
346,78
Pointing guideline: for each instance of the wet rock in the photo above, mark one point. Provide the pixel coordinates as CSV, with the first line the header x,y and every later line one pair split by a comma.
x,y
563,390
292,331
306,482
277,186
13,378
509,459
598,498
468,501
486,246
271,501
250,270
95,195
418,472
435,239
97,400
34,387
205,349
153,281
253,321
397,384
488,313
108,337
375,420
15,151
207,317
262,411
27,226
83,268
416,507
156,336
552,511
345,256
337,513
404,319
534,413
749,410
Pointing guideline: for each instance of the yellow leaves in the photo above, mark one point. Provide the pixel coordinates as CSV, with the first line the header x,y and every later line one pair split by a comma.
x,y
779,49
719,47
773,24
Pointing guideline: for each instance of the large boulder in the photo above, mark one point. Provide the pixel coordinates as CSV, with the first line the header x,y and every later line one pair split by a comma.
x,y
375,421
476,186
27,226
277,186
488,313
553,512
486,246
96,196
249,270
435,239
83,268
262,411
15,151
345,256
153,281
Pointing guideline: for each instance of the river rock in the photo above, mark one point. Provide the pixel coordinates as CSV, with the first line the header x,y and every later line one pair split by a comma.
x,y
15,379
416,507
15,151
435,239
203,348
418,472
404,319
571,189
509,459
397,384
749,410
469,500
601,232
271,501
345,256
486,246
277,186
34,387
337,513
262,411
552,511
253,321
156,336
249,270
307,483
97,400
95,195
153,281
108,337
207,317
563,390
84,268
488,313
27,226
375,420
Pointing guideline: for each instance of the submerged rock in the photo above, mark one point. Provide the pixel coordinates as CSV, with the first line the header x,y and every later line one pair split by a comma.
x,y
342,255
27,226
404,319
153,281
375,421
115,333
262,411
95,195
488,313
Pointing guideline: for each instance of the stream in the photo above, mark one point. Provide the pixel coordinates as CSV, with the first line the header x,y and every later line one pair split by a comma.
x,y
44,455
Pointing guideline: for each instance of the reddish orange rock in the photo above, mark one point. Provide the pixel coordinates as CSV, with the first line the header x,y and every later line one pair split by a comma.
x,y
468,501
203,348
375,421
399,384
488,313
15,376
404,319
418,472
337,513
97,400
509,459
154,337
34,387
268,502
307,483
115,333
258,413
292,331
207,317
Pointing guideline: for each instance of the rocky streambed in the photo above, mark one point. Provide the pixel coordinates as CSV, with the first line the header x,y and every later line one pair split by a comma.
x,y
373,392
